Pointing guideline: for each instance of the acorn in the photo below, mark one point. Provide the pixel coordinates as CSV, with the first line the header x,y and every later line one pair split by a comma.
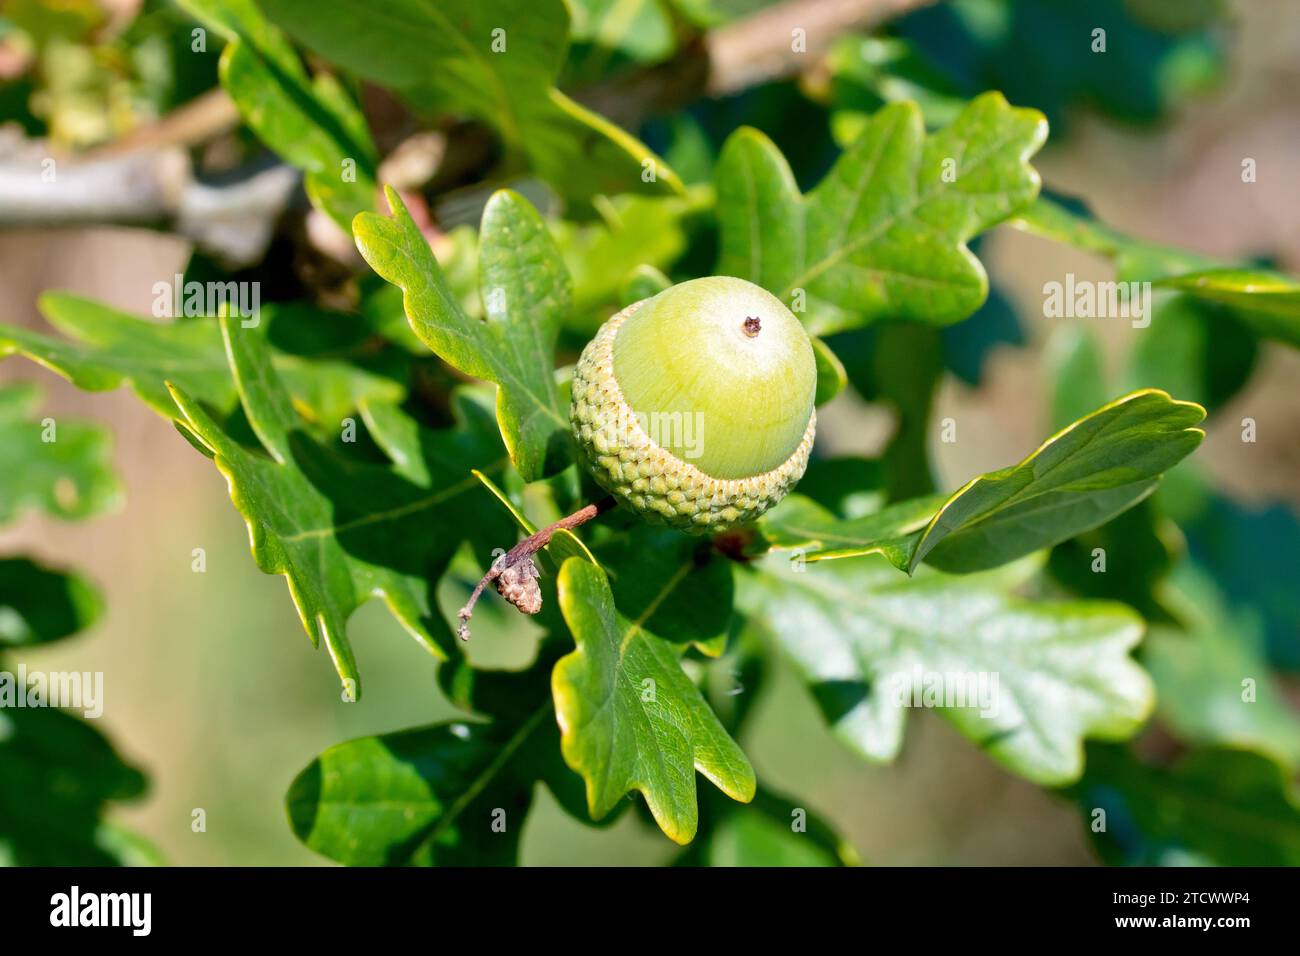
x,y
694,408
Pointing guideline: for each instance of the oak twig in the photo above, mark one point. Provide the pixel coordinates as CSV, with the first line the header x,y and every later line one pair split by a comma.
x,y
515,574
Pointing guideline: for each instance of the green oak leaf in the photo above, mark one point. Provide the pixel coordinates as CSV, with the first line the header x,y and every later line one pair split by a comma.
x,y
59,466
58,777
1216,806
343,530
492,62
884,234
1266,301
1080,478
1026,680
525,290
310,121
105,348
630,718
434,796
39,605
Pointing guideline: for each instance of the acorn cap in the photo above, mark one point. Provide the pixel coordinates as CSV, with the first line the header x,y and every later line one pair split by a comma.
x,y
695,407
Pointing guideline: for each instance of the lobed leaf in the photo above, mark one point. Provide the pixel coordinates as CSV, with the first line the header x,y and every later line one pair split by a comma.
x,y
884,234
525,291
341,530
451,794
58,776
105,348
630,718
1214,683
1025,680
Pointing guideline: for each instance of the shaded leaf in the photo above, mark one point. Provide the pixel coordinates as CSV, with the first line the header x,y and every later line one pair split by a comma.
x,y
1215,806
630,718
1268,302
677,586
58,776
1228,539
1126,559
451,794
525,290
1025,680
1194,348
1040,52
603,256
907,363
493,62
644,282
831,376
884,234
343,531
39,605
1074,373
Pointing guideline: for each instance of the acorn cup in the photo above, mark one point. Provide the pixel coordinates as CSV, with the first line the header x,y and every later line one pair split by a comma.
x,y
694,408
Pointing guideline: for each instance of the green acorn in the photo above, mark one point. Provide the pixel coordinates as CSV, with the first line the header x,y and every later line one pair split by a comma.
x,y
694,408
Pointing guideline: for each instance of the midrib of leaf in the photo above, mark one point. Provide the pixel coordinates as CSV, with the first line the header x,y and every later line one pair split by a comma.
x,y
755,236
489,772
868,173
858,242
636,626
412,507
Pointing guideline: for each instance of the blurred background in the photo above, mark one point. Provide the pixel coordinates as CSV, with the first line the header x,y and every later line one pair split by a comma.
x,y
211,685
